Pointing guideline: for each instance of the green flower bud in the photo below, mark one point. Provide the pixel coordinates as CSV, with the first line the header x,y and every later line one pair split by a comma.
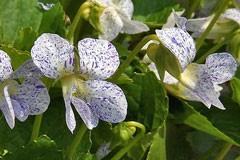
x,y
164,60
94,17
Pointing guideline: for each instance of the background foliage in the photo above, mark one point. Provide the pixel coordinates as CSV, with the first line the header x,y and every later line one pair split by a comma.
x,y
176,129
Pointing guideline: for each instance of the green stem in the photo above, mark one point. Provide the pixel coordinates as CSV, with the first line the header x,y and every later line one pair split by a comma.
x,y
210,26
217,46
224,151
76,141
77,19
212,150
36,127
135,51
192,8
132,142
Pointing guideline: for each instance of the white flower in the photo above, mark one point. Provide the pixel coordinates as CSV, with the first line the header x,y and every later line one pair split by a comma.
x,y
226,23
116,18
198,82
29,98
92,96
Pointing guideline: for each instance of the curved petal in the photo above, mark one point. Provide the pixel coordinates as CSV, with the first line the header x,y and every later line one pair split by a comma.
x,y
198,25
195,85
232,14
180,43
110,23
180,21
5,66
221,67
70,118
33,94
171,21
133,27
88,117
53,55
27,70
7,108
99,59
20,111
107,100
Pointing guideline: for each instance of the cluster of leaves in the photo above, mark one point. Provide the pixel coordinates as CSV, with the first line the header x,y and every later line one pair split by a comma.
x,y
176,129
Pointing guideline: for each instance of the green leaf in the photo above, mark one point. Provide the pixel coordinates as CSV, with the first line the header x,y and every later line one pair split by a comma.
x,y
157,149
43,148
154,13
17,57
21,20
235,84
221,128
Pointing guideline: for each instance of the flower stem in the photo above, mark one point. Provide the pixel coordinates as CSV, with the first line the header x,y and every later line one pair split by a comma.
x,y
135,51
133,141
36,127
217,46
210,26
192,8
75,142
224,151
77,19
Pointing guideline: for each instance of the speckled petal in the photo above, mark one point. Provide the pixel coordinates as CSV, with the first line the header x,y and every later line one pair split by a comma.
x,y
107,100
7,108
5,66
27,70
198,87
88,117
33,94
221,67
20,111
110,23
232,14
133,27
99,59
53,55
180,43
125,7
70,118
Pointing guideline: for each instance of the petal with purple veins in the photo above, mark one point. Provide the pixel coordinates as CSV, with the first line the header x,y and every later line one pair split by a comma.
x,y
83,109
70,118
5,66
33,94
53,55
99,59
7,108
180,43
27,70
221,67
195,85
107,100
